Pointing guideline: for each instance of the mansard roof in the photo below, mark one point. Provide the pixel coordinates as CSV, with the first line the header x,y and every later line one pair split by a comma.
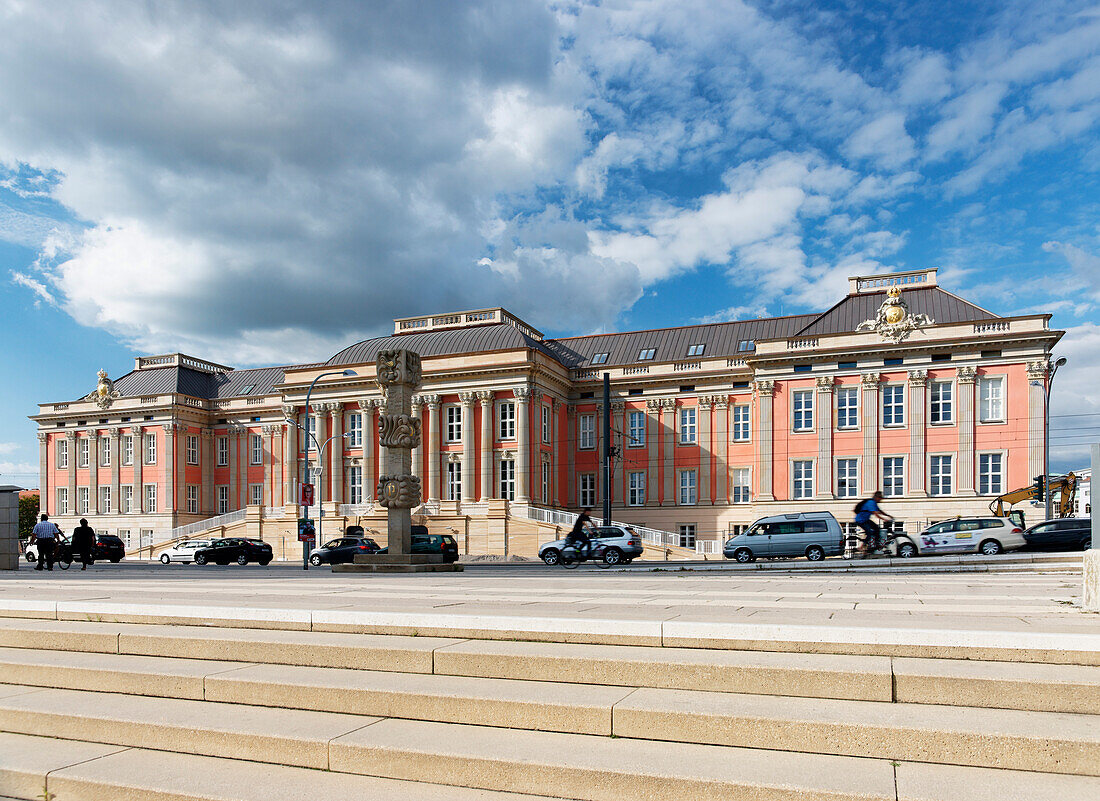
x,y
210,386
443,342
940,305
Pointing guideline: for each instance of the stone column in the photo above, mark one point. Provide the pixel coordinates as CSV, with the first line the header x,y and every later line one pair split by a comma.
x,y
70,438
366,410
319,435
870,382
823,475
618,422
652,428
399,373
180,496
336,451
485,398
116,470
233,440
706,470
1036,416
571,454
721,436
555,406
469,492
93,472
139,463
668,464
268,450
918,460
967,377
291,476
417,453
170,430
434,447
523,455
765,396
45,486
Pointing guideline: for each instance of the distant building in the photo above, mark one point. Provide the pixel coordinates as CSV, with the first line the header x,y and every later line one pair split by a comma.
x,y
900,386
1082,502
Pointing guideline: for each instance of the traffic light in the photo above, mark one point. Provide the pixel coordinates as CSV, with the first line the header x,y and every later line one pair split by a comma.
x,y
1040,488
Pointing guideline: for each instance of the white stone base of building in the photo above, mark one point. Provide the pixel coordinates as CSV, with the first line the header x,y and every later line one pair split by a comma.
x,y
1091,570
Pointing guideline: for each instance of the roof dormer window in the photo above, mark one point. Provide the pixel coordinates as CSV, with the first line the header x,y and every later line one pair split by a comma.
x,y
646,354
599,358
696,350
746,345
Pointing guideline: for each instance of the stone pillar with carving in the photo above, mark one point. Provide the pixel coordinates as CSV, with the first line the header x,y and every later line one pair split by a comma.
x,y
668,462
115,437
765,396
469,491
139,463
434,447
70,440
706,468
1036,416
206,458
967,377
417,407
291,476
721,438
336,451
399,432
653,429
870,384
485,448
918,458
823,484
93,472
571,455
523,435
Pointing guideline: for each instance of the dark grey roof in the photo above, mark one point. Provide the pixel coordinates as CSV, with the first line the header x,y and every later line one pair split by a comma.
x,y
669,344
184,381
445,342
941,306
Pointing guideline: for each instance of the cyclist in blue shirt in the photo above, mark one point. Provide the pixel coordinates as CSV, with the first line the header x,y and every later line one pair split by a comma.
x,y
866,512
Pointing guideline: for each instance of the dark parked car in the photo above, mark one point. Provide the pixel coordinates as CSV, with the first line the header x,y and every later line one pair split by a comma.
x,y
234,549
343,550
423,542
109,547
1067,534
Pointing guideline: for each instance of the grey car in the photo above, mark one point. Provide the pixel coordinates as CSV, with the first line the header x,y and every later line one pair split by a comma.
x,y
624,544
814,535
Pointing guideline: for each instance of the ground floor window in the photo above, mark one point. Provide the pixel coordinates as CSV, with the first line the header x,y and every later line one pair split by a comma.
x,y
545,480
255,494
454,479
151,498
893,476
82,500
687,535
62,500
990,474
124,535
939,468
192,499
742,485
636,489
355,480
586,485
687,488
105,500
127,499
223,499
847,478
803,479
508,479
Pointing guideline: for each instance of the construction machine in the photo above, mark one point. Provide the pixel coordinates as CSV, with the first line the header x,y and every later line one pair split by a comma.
x,y
1065,486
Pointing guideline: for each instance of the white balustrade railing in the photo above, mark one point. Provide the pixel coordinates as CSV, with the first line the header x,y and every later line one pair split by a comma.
x,y
181,532
707,547
269,512
556,517
353,509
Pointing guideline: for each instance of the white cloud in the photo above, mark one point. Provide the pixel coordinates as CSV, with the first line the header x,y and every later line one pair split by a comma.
x,y
884,140
1085,265
8,447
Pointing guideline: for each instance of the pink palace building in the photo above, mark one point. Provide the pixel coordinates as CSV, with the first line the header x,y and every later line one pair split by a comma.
x,y
901,386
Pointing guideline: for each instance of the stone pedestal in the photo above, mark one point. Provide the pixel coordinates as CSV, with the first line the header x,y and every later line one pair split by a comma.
x,y
1091,569
9,528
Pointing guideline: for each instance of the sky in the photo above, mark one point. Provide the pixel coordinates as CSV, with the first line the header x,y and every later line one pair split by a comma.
x,y
267,182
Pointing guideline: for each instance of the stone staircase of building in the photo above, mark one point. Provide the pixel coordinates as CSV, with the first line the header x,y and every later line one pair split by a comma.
x,y
92,709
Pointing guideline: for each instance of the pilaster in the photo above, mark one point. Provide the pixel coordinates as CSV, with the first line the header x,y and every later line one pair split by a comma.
x,y
764,390
46,501
967,377
170,430
485,399
721,438
523,431
268,451
469,492
1037,372
139,466
823,476
918,451
706,468
70,438
416,409
668,463
115,436
93,472
290,456
571,459
432,402
870,384
336,451
652,427
555,448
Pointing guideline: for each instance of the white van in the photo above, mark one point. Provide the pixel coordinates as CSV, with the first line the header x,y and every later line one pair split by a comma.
x,y
814,535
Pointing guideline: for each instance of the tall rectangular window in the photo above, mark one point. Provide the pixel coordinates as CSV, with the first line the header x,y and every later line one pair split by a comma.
x,y
687,426
893,405
454,481
83,448
454,423
802,403
223,499
939,473
847,407
586,486
104,452
508,479
128,449
257,449
82,500
192,499
127,499
990,474
687,535
636,428
546,424
991,394
62,500
355,483
742,427
687,488
151,498
150,449
847,478
255,494
355,429
803,479
310,432
742,484
941,402
546,482
506,417
105,500
635,495
223,451
192,449
586,431
62,454
893,476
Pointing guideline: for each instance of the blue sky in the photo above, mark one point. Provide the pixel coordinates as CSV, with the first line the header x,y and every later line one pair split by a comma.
x,y
262,183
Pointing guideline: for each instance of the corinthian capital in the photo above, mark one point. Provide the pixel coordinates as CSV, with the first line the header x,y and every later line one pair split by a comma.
x,y
485,397
871,380
289,410
825,383
918,378
1037,370
967,374
764,387
522,393
467,398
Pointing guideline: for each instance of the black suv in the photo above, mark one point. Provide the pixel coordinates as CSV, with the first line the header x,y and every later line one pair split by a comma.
x,y
336,552
423,542
1067,534
109,547
234,549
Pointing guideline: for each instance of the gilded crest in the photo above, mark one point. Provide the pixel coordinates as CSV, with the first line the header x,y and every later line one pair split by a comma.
x,y
398,492
894,321
105,393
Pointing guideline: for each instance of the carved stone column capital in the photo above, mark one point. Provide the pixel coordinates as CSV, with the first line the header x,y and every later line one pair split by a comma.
x,y
289,410
1037,370
114,433
432,401
208,433
918,378
618,407
169,428
653,405
43,436
870,380
268,429
826,384
454,457
467,398
523,393
485,397
704,403
765,387
721,401
967,374
71,435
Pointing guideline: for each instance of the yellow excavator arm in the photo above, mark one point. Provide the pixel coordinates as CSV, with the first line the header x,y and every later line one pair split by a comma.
x,y
1065,486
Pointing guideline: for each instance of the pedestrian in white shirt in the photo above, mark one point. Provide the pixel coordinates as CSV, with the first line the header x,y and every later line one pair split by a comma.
x,y
45,540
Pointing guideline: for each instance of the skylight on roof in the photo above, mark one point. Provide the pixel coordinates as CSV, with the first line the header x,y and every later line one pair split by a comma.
x,y
696,350
746,345
247,390
646,354
600,358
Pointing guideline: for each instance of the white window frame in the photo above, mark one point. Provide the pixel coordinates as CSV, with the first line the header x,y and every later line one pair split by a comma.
x,y
83,500
999,475
355,429
506,421
742,422
105,499
689,426
127,506
802,410
62,500
586,431
586,490
150,448
255,494
741,484
104,452
697,350
636,432
222,495
192,499
149,493
802,479
897,463
635,492
62,454
309,433
507,482
687,535
991,409
545,481
893,405
255,449
128,449
454,481
192,449
941,482
847,484
83,452
939,406
222,451
546,424
355,483
452,418
689,487
847,408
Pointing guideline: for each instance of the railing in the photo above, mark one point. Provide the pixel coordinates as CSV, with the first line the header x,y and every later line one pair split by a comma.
x,y
635,370
556,517
255,401
707,547
801,344
270,512
189,401
687,366
355,509
60,407
211,522
984,328
150,399
735,362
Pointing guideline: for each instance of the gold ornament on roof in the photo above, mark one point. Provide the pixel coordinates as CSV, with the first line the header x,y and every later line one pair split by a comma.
x,y
894,321
105,393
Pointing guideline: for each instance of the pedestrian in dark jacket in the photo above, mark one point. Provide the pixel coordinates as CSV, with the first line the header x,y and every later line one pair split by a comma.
x,y
83,540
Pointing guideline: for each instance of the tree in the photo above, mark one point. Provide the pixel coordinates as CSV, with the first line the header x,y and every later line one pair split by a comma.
x,y
28,515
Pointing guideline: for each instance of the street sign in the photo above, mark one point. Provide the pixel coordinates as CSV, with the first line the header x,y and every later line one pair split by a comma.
x,y
306,495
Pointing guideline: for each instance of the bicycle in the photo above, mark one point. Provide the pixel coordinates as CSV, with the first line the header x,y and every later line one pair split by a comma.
x,y
572,556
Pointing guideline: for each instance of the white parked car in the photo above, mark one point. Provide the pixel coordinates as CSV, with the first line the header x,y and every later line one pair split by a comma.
x,y
183,551
984,535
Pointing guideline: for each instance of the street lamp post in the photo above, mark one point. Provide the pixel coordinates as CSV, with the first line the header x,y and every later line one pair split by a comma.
x,y
309,432
1046,432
